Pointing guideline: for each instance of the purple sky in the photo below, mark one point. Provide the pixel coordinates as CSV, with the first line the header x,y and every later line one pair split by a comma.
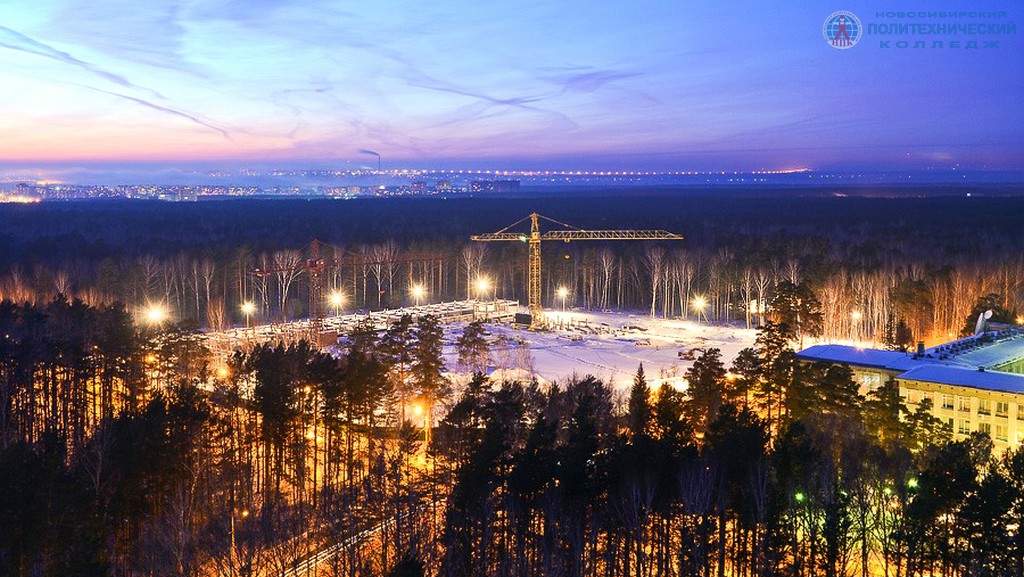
x,y
659,85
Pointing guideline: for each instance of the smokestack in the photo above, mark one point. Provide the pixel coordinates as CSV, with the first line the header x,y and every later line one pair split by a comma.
x,y
371,152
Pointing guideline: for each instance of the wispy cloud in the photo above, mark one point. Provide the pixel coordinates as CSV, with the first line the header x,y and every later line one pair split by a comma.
x,y
166,110
591,81
15,40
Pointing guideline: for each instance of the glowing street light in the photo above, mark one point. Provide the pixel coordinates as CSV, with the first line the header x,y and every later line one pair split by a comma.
x,y
418,292
337,299
562,293
699,304
483,285
155,314
248,308
855,317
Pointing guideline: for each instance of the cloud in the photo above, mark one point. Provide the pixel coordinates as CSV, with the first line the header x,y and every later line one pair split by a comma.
x,y
167,110
589,81
18,41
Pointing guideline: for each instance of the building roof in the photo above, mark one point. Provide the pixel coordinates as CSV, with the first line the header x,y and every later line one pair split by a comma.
x,y
954,363
963,377
1002,349
894,361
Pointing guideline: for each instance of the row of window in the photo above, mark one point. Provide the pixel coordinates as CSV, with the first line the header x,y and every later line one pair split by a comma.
x,y
963,427
963,404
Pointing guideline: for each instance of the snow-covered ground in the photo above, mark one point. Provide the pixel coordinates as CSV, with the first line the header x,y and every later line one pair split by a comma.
x,y
607,345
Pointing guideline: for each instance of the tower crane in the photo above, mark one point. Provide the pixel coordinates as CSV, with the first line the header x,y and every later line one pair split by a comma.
x,y
535,237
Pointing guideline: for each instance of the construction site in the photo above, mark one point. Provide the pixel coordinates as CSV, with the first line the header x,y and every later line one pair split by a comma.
x,y
314,267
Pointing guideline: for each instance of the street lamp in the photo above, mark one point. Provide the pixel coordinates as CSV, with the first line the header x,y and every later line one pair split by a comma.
x,y
699,304
417,291
562,293
483,284
155,314
337,299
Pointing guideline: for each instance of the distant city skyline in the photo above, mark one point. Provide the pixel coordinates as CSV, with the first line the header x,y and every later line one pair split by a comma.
x,y
541,86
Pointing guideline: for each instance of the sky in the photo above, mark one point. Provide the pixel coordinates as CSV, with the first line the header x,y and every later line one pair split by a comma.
x,y
640,84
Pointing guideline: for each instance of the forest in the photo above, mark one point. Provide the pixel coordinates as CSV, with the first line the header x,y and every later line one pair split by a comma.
x,y
872,263
128,449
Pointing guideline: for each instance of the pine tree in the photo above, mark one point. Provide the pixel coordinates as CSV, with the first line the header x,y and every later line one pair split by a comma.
x,y
473,349
640,405
428,362
706,388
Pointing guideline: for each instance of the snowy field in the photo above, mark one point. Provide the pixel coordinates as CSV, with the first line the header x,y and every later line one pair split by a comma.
x,y
609,346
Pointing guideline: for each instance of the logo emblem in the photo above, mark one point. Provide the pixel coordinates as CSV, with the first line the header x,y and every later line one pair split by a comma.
x,y
842,29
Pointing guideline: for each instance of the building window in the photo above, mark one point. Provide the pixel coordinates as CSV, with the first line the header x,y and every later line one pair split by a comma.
x,y
913,397
1020,436
985,428
947,403
1001,433
1020,412
1002,408
963,427
963,404
984,407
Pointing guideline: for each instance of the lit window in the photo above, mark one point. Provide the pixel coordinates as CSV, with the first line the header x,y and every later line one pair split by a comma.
x,y
947,403
985,428
1001,433
1002,408
984,407
963,426
963,404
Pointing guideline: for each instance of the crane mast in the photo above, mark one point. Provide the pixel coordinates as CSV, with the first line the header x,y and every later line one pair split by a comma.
x,y
533,266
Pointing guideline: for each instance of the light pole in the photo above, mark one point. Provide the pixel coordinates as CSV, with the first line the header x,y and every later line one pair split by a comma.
x,y
699,304
562,293
248,308
155,315
483,285
417,291
337,299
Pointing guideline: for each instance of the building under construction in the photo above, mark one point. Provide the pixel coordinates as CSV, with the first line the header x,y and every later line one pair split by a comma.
x,y
327,330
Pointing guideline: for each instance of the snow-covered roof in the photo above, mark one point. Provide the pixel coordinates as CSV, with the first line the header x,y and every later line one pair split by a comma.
x,y
1004,349
954,363
862,357
974,378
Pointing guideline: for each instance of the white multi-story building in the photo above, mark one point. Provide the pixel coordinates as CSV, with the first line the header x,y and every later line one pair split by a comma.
x,y
975,383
